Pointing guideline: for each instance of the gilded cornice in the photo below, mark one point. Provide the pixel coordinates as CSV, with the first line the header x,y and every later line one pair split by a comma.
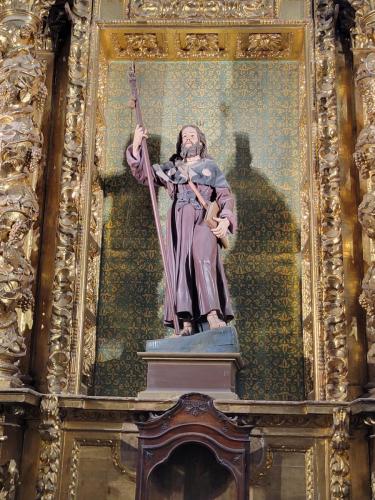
x,y
200,10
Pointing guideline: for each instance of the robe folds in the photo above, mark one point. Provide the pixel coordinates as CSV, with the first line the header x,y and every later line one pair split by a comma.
x,y
193,252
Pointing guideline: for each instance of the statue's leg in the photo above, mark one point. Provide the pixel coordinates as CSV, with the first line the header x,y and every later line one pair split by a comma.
x,y
205,256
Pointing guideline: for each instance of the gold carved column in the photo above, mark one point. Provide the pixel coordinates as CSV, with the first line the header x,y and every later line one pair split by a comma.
x,y
364,157
333,352
363,40
64,363
22,96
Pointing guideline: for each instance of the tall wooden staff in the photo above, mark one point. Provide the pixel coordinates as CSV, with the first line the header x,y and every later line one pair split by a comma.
x,y
150,178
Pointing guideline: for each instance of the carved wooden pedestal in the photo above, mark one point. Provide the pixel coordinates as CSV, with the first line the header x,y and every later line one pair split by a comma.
x,y
193,420
206,362
169,375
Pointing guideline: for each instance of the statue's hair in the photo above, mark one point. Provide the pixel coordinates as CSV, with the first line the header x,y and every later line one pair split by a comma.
x,y
201,138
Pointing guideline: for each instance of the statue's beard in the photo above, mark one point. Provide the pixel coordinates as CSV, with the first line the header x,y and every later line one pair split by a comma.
x,y
191,151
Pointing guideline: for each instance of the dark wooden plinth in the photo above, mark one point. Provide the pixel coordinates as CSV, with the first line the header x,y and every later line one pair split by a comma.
x,y
169,375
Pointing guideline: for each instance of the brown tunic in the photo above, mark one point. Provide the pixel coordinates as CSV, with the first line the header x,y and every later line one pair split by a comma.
x,y
193,253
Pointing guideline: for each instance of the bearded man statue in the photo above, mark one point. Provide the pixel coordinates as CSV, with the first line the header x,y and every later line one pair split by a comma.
x,y
194,262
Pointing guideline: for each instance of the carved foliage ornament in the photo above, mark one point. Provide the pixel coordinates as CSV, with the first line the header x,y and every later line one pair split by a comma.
x,y
264,45
61,336
18,8
201,9
332,272
22,97
49,458
367,301
363,36
364,154
339,462
200,45
366,214
137,45
364,157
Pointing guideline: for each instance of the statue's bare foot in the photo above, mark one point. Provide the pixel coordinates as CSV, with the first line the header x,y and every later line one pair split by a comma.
x,y
214,321
187,329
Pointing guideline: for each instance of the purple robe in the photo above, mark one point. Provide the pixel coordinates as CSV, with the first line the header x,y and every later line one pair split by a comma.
x,y
193,252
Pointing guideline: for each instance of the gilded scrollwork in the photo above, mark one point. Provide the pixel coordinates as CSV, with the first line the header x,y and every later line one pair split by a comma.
x,y
339,460
366,214
62,336
364,154
196,9
133,45
22,97
332,270
363,35
364,157
196,45
367,301
264,46
49,456
365,79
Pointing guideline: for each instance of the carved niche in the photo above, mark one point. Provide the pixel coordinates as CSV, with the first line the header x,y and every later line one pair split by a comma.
x,y
193,420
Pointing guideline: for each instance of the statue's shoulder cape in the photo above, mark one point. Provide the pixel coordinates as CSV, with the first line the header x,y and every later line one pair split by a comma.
x,y
206,172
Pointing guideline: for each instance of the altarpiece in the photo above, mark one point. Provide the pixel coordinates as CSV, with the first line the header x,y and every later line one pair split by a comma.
x,y
284,92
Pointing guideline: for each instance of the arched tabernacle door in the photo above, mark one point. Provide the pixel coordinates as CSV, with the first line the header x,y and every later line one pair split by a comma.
x,y
175,447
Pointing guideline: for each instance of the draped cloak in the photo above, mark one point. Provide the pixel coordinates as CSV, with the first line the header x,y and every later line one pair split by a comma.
x,y
193,253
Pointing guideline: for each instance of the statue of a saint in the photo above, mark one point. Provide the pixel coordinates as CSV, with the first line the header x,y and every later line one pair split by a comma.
x,y
200,288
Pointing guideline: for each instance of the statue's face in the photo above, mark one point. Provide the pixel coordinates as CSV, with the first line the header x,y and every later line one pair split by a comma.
x,y
189,136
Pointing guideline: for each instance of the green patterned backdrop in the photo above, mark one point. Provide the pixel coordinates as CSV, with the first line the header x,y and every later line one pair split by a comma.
x,y
249,113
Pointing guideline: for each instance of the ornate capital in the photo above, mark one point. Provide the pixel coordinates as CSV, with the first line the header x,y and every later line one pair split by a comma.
x,y
18,8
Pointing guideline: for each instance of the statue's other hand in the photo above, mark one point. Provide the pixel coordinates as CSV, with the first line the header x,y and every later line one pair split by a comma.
x,y
139,134
222,228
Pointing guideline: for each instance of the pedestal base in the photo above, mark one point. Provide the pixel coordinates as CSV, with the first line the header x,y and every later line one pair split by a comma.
x,y
169,375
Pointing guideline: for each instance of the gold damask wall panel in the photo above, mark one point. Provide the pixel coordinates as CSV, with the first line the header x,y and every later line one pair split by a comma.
x,y
249,112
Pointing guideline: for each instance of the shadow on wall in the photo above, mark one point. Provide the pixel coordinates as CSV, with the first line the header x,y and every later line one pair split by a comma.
x,y
130,272
264,278
262,269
